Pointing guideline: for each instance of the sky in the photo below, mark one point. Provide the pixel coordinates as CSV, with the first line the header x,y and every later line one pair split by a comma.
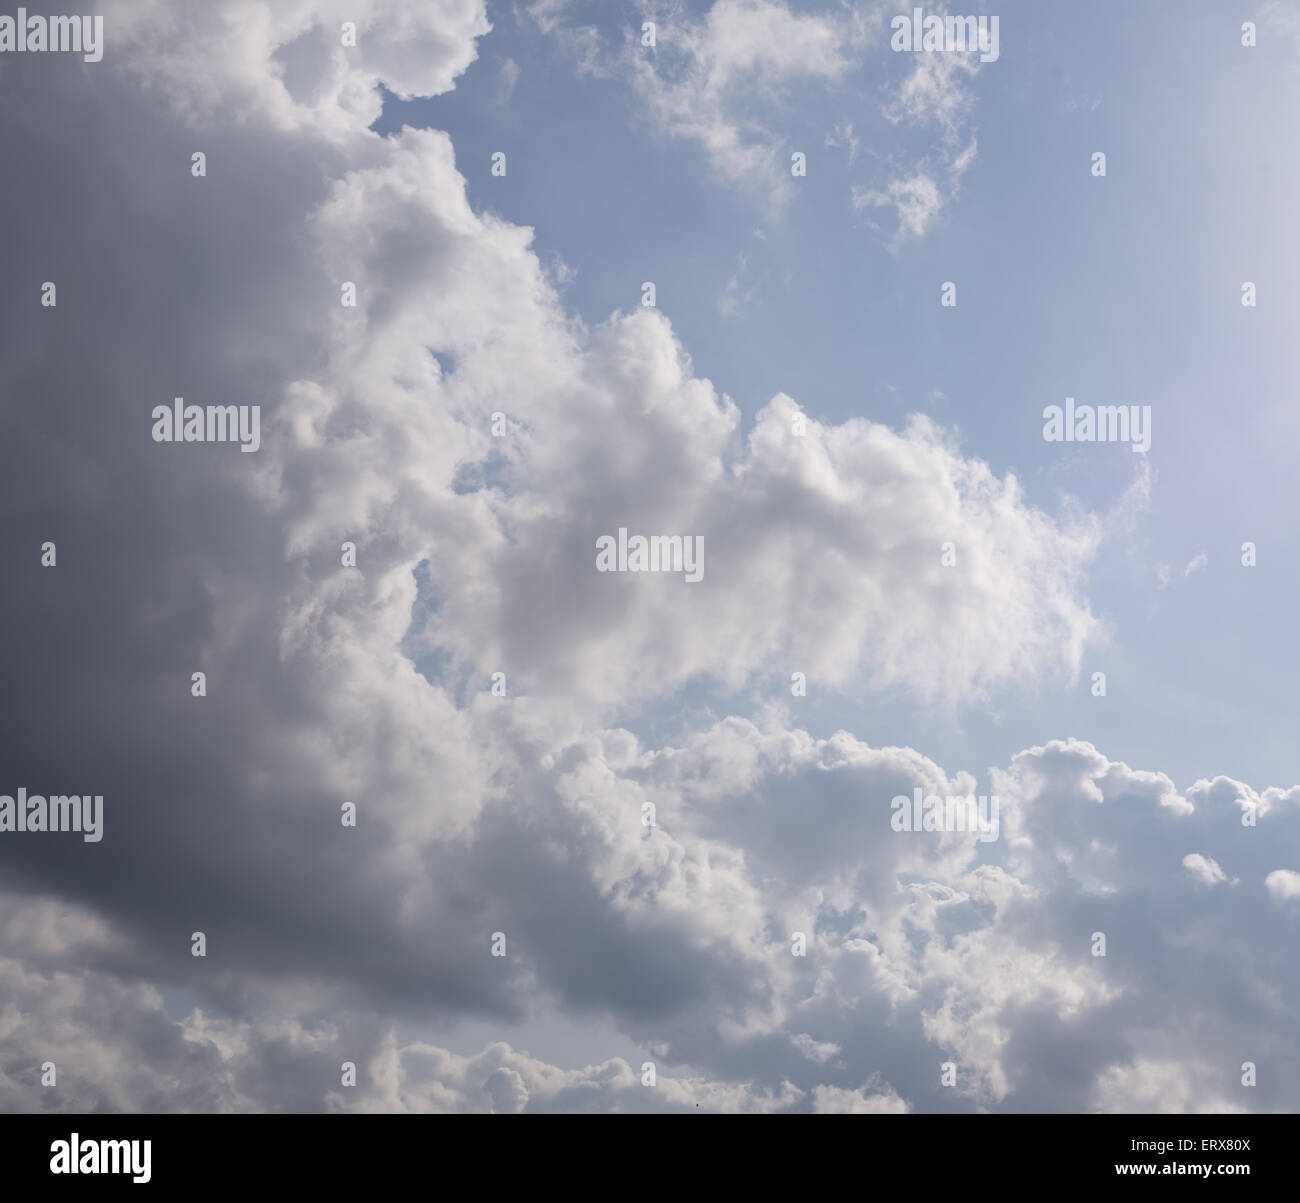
x,y
399,611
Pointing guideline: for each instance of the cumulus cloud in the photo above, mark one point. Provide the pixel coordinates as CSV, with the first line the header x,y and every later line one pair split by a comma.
x,y
112,1046
1283,885
287,65
1170,1087
524,813
1205,869
830,1100
814,1051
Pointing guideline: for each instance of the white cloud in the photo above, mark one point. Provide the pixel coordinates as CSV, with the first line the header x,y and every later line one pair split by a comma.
x,y
723,80
1165,1087
916,199
819,1051
1283,886
702,78
643,444
934,94
285,64
1205,869
831,1100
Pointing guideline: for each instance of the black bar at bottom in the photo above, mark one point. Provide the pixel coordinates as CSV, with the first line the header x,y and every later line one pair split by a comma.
x,y
1029,1153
